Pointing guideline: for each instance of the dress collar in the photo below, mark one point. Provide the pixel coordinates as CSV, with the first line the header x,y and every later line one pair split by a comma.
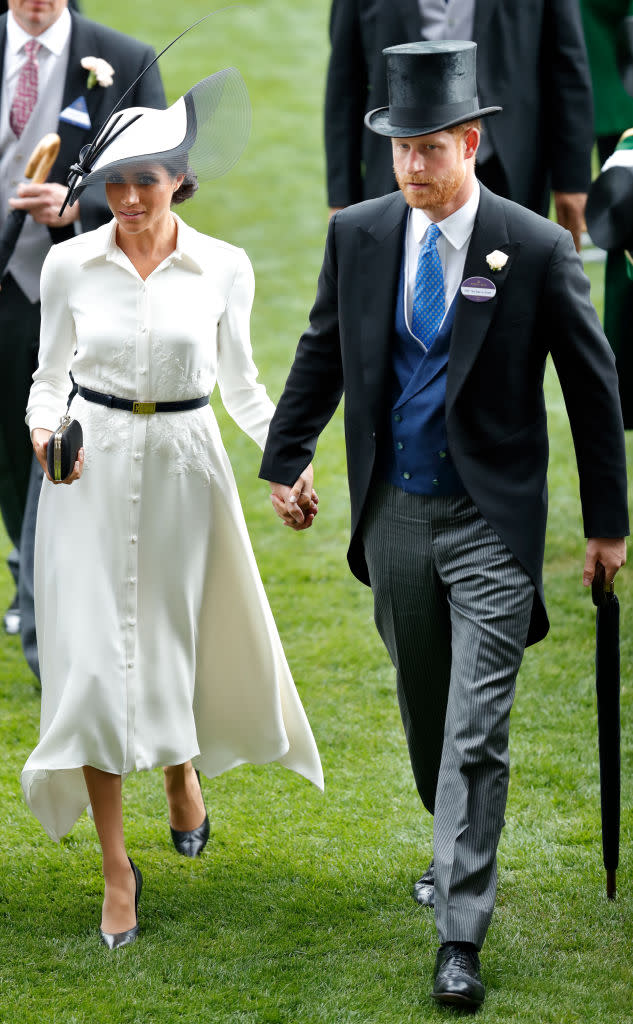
x,y
457,228
188,250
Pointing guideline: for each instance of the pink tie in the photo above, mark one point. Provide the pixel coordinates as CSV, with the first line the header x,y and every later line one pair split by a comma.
x,y
25,96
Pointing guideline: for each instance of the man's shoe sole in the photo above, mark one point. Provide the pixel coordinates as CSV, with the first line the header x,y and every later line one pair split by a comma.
x,y
454,999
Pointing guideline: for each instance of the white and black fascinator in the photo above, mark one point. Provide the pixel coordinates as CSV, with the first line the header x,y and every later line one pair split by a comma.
x,y
204,132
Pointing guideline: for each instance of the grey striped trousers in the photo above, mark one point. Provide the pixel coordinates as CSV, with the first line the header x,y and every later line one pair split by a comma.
x,y
452,606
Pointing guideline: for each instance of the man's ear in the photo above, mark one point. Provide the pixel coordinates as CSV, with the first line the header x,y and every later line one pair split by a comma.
x,y
471,142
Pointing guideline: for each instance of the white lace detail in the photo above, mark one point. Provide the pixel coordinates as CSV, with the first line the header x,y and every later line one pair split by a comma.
x,y
170,380
185,442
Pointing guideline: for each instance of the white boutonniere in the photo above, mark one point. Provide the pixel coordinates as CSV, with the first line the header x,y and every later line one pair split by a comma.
x,y
99,71
496,260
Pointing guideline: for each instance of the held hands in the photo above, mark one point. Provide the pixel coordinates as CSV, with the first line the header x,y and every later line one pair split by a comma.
x,y
44,202
296,506
40,438
610,551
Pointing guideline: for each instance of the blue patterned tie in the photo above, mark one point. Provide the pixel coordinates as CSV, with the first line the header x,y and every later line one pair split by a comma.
x,y
428,298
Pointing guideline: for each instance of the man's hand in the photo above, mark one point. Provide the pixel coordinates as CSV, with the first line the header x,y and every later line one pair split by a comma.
x,y
610,551
296,505
570,213
44,202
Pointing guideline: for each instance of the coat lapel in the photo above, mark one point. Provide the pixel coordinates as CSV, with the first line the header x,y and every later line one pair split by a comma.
x,y
483,10
380,254
472,319
83,43
3,40
410,14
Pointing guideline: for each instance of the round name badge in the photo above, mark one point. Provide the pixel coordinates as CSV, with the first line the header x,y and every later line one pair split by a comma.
x,y
478,289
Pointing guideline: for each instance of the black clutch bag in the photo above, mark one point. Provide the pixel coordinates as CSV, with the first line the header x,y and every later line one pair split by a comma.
x,y
63,447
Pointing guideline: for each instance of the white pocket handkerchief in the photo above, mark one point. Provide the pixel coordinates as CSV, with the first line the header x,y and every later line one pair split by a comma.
x,y
77,114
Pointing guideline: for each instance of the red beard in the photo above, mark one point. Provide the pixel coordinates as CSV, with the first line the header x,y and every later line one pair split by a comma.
x,y
438,192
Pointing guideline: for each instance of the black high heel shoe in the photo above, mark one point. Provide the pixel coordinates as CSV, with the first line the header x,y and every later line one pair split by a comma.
x,y
125,938
193,842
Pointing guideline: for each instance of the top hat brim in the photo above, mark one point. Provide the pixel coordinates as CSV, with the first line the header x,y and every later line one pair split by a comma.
x,y
609,212
378,121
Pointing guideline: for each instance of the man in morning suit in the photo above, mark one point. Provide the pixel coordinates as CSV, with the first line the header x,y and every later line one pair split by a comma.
x,y
435,311
44,88
531,59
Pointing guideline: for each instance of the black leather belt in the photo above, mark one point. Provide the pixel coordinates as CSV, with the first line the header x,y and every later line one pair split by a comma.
x,y
141,408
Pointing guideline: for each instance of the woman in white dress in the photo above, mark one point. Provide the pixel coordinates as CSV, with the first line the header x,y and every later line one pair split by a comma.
x,y
156,640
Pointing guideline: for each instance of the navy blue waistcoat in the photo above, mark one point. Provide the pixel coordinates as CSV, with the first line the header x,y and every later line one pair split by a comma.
x,y
416,456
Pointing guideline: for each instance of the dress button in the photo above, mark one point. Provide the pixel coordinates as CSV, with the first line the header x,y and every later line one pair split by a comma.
x,y
398,417
142,370
442,455
407,476
135,498
133,539
132,580
130,664
137,456
400,446
131,622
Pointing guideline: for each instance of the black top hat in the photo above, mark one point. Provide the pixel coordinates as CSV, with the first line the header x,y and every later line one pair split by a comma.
x,y
609,211
431,86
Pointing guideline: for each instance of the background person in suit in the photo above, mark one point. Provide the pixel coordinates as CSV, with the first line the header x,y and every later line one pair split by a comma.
x,y
531,59
64,103
602,21
435,311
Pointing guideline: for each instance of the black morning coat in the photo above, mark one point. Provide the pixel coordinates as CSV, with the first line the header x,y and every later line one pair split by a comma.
x,y
495,408
128,57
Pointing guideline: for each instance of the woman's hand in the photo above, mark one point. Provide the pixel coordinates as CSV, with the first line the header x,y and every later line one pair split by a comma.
x,y
40,438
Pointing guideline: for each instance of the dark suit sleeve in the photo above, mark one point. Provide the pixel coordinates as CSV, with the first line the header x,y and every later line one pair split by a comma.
x,y
345,104
568,97
586,369
148,92
314,386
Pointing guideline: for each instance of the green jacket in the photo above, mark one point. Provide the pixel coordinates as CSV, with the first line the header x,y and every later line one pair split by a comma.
x,y
612,104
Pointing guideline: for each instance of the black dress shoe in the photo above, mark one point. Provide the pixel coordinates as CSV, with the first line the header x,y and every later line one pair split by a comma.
x,y
457,981
125,938
193,842
424,888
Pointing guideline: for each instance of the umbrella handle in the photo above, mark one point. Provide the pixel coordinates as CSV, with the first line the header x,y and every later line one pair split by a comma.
x,y
42,158
600,590
611,886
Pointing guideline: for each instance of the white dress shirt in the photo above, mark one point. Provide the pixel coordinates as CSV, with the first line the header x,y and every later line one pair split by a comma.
x,y
52,60
452,246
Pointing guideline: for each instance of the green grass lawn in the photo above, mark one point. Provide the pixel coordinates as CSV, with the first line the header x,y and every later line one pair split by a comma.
x,y
299,910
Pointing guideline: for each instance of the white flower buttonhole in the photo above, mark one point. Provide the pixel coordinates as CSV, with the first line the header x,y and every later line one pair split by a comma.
x,y
497,260
99,71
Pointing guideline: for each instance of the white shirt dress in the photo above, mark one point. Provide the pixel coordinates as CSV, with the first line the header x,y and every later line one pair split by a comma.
x,y
155,636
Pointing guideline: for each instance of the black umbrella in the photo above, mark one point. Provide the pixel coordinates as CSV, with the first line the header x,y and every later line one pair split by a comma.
x,y
38,167
608,700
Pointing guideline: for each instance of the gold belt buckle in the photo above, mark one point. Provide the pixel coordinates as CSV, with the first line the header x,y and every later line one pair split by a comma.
x,y
143,408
